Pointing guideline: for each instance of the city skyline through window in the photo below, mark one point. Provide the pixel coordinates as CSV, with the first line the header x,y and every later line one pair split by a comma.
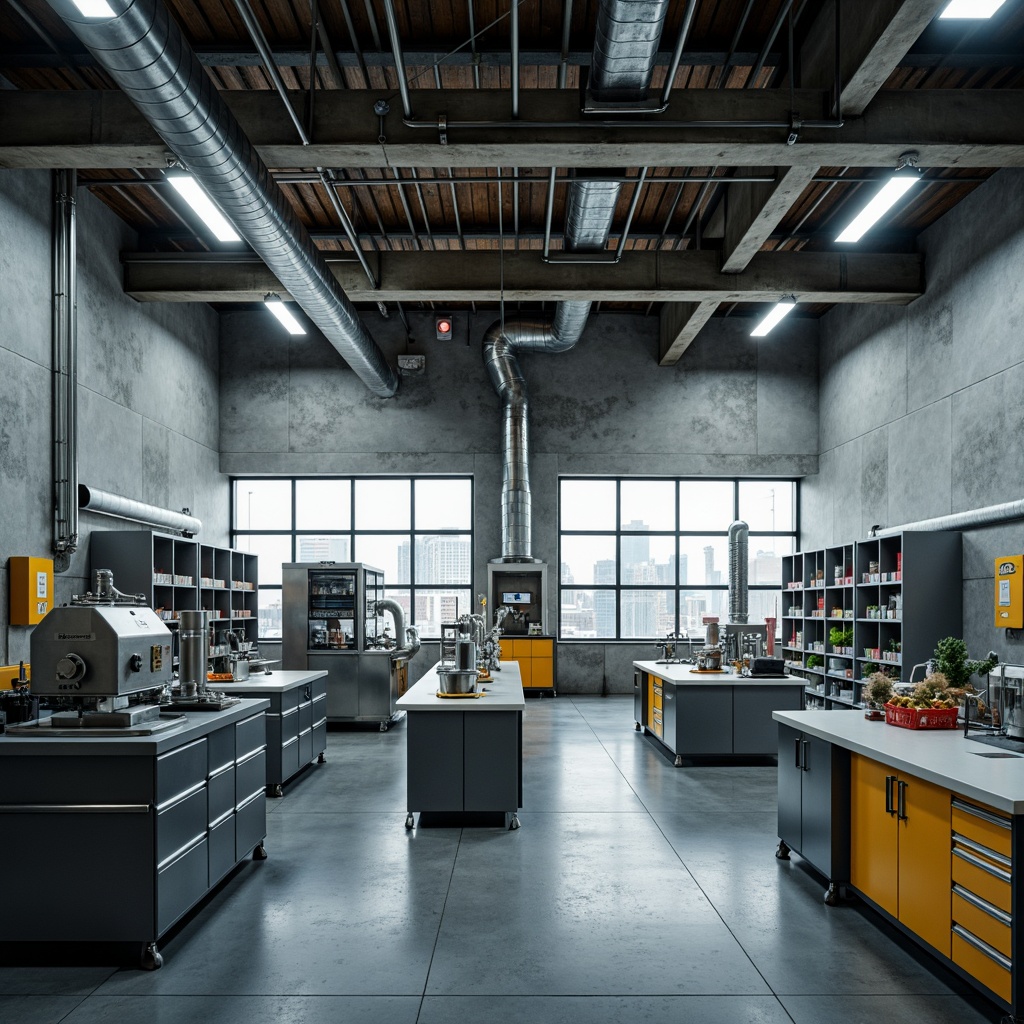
x,y
639,559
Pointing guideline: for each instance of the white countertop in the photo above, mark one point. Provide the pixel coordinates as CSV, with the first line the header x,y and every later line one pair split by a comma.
x,y
502,692
941,756
684,675
276,682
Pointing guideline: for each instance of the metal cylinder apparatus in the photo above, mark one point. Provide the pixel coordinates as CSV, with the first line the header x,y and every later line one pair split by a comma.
x,y
193,652
465,655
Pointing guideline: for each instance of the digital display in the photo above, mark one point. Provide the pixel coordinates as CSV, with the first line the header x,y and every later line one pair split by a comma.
x,y
516,597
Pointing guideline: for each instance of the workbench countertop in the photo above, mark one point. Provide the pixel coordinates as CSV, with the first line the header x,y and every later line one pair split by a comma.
x,y
502,692
683,675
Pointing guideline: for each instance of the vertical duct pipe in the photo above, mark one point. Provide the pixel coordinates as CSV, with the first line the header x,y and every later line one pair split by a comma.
x,y
65,371
624,55
738,594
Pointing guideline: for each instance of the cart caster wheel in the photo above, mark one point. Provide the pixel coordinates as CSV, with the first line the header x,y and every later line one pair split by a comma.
x,y
260,853
321,759
832,897
514,823
151,959
782,851
678,762
276,790
383,726
637,725
409,822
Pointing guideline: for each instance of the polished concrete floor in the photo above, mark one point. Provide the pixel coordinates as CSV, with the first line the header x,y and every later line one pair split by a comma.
x,y
634,891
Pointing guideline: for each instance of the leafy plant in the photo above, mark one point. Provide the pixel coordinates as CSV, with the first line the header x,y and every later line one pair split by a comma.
x,y
951,660
869,669
840,637
895,645
814,660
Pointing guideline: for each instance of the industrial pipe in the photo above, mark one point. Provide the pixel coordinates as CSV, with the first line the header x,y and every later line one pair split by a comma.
x,y
92,499
738,604
990,515
407,637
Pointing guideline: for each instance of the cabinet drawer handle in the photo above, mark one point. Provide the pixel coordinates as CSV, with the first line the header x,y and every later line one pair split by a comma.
x,y
796,747
181,797
889,780
980,812
805,744
983,947
983,905
970,844
1003,876
901,801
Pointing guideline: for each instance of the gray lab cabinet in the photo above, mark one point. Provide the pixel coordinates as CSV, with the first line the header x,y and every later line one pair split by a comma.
x,y
814,804
124,835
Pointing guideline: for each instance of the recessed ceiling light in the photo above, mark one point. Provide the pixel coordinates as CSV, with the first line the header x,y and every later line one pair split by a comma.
x,y
971,8
94,8
281,311
188,188
781,309
905,178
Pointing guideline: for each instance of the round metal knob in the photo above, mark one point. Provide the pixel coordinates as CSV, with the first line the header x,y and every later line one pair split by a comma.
x,y
135,662
70,667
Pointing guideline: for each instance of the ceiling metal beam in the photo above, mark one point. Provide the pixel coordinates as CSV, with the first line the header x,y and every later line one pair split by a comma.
x,y
948,128
689,276
678,326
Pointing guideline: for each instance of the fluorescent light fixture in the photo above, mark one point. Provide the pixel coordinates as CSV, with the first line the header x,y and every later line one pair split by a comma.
x,y
95,8
905,178
280,310
201,203
781,308
971,8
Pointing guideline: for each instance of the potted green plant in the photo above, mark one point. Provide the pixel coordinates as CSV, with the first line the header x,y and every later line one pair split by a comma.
x,y
876,693
840,637
951,661
814,661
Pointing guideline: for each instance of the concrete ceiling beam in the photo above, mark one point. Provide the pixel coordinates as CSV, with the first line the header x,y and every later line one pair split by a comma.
x,y
818,277
949,128
679,324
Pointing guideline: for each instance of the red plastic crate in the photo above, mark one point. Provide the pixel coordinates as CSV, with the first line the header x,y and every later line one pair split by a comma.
x,y
921,718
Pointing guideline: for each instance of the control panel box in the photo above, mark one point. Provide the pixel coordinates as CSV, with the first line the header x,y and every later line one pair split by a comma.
x,y
1009,596
31,589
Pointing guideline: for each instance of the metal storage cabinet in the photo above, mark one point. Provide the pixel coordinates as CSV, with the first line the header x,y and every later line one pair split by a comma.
x,y
163,819
814,805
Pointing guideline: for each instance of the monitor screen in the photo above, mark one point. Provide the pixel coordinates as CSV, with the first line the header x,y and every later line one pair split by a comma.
x,y
516,597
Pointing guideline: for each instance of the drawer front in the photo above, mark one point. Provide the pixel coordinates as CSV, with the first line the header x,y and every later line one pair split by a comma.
x,y
250,824
981,965
290,759
180,770
982,825
220,748
181,884
288,726
319,687
179,823
250,775
305,717
320,736
291,698
221,843
250,735
988,923
659,727
220,794
305,747
543,648
658,696
989,881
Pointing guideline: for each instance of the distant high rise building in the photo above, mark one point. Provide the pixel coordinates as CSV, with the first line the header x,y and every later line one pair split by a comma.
x,y
567,579
322,549
604,600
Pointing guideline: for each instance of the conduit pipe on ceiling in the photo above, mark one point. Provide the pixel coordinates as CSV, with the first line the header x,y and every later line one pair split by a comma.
x,y
92,499
990,515
147,55
625,53
65,371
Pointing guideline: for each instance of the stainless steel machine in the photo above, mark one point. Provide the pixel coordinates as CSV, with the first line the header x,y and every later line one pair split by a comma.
x,y
1006,693
335,621
105,659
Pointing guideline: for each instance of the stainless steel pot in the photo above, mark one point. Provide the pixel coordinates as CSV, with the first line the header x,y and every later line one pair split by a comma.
x,y
457,680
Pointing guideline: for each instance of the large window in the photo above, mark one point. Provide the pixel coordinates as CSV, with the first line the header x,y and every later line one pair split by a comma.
x,y
641,558
419,530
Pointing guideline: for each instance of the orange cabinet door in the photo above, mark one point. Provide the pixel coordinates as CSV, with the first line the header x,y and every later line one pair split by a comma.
x,y
526,672
924,871
874,838
543,672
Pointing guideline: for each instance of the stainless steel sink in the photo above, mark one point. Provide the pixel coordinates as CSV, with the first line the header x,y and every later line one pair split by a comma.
x,y
994,753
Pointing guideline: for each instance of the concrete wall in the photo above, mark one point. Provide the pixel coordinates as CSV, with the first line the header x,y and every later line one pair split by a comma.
x,y
921,410
147,390
733,405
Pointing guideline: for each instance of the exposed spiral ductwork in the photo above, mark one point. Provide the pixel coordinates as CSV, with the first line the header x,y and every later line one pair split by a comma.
x,y
406,637
623,60
145,52
739,533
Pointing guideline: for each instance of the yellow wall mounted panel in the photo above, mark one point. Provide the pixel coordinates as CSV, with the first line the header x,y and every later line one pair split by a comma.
x,y
1009,596
31,589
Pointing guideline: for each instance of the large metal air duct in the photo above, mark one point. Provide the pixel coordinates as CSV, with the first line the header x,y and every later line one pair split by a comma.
x,y
739,533
623,60
145,52
990,515
92,499
406,637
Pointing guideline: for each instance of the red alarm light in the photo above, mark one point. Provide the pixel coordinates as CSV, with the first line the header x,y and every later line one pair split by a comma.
x,y
443,327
